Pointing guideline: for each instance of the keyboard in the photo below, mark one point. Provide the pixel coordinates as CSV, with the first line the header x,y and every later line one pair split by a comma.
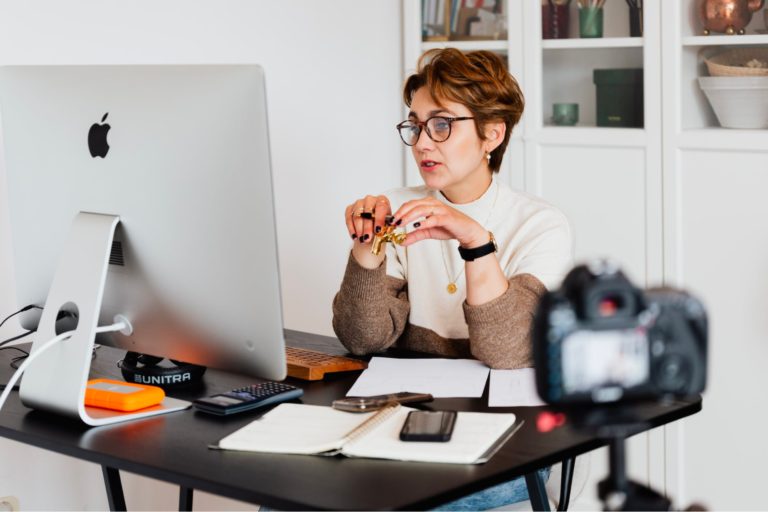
x,y
310,365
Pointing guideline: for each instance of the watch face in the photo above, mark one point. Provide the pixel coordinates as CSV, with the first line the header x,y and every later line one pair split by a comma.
x,y
495,247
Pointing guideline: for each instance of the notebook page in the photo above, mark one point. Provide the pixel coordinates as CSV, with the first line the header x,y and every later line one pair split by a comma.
x,y
296,428
473,434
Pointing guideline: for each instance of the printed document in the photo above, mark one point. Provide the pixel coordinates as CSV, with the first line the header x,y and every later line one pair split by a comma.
x,y
514,388
442,378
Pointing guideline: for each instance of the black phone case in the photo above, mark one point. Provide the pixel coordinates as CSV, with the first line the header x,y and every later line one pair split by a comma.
x,y
443,436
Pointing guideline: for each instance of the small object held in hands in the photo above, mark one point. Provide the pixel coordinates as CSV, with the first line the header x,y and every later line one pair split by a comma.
x,y
386,235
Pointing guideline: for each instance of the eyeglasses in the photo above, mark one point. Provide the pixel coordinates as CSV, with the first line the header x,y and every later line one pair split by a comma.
x,y
438,129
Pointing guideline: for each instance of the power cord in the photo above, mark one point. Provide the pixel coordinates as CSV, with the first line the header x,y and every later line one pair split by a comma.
x,y
25,308
17,337
9,387
62,314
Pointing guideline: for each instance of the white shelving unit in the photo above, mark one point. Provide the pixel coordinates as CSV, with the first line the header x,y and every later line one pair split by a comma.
x,y
603,42
652,198
683,43
725,40
468,46
714,178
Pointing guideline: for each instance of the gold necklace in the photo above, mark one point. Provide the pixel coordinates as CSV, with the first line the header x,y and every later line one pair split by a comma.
x,y
452,286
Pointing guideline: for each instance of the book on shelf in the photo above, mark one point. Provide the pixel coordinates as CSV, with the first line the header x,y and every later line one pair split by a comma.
x,y
444,20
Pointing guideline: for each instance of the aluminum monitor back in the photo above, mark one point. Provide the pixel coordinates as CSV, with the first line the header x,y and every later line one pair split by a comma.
x,y
185,165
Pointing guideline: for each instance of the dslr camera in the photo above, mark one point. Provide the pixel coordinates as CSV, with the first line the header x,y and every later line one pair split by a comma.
x,y
599,339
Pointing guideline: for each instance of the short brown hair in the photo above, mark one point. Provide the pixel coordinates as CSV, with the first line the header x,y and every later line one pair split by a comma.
x,y
479,80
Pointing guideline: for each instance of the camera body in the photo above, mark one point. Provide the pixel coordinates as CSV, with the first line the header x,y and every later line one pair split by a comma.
x,y
598,339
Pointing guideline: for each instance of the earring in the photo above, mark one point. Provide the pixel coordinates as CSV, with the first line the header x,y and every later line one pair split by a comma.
x,y
488,156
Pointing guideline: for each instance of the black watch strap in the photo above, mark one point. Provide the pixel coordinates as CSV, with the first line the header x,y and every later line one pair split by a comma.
x,y
479,252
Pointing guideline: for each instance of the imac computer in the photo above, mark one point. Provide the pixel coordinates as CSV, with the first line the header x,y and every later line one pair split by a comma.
x,y
142,193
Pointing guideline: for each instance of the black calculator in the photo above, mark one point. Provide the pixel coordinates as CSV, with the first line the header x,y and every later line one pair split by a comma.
x,y
249,397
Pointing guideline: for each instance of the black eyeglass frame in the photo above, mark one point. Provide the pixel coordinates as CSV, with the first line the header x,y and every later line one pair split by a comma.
x,y
422,126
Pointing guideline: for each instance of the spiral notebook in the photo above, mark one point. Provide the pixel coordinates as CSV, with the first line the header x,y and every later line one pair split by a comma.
x,y
316,430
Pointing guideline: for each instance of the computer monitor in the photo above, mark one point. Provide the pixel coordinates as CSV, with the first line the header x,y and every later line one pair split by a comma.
x,y
165,171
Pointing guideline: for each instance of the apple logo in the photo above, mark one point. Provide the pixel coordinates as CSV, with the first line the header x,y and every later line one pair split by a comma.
x,y
97,138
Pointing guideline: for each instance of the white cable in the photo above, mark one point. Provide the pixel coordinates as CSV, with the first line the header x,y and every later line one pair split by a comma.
x,y
63,336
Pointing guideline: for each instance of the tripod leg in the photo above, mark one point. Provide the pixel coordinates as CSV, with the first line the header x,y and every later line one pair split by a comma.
x,y
185,498
536,491
114,488
566,480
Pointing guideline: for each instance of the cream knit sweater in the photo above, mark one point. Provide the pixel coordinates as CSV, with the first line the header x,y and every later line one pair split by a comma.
x,y
405,301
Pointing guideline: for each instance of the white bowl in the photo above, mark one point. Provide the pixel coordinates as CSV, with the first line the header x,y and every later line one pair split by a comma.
x,y
739,102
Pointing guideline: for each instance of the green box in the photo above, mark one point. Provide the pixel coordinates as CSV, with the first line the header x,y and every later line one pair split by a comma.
x,y
619,97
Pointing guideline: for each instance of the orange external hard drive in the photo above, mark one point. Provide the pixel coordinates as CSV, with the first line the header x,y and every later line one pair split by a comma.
x,y
121,396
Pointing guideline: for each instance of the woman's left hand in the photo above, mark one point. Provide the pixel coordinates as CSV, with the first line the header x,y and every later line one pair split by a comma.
x,y
442,223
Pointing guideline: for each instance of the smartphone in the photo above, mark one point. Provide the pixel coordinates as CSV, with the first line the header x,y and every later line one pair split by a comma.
x,y
374,403
428,426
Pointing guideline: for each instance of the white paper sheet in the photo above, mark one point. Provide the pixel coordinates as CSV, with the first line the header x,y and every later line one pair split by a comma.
x,y
514,388
442,378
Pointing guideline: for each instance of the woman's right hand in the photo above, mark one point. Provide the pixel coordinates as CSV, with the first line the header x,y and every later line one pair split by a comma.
x,y
362,231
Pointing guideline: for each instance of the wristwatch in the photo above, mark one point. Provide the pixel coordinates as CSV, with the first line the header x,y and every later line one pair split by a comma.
x,y
479,252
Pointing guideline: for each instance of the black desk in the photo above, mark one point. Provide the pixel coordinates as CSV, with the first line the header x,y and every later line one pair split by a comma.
x,y
173,447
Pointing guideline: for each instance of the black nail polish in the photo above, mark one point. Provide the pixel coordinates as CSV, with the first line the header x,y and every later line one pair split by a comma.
x,y
354,237
362,239
366,237
378,229
417,224
391,221
398,222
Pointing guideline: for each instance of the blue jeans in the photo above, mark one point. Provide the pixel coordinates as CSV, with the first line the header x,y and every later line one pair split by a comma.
x,y
507,493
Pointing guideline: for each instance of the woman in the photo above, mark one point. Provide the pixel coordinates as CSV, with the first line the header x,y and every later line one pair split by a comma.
x,y
463,108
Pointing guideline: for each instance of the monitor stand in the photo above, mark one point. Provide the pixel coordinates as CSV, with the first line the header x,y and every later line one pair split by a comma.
x,y
56,380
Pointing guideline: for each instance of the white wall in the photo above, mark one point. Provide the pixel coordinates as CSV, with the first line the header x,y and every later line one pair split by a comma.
x,y
329,66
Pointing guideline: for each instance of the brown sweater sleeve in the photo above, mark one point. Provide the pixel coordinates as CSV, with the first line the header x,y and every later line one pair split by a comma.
x,y
371,309
500,330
